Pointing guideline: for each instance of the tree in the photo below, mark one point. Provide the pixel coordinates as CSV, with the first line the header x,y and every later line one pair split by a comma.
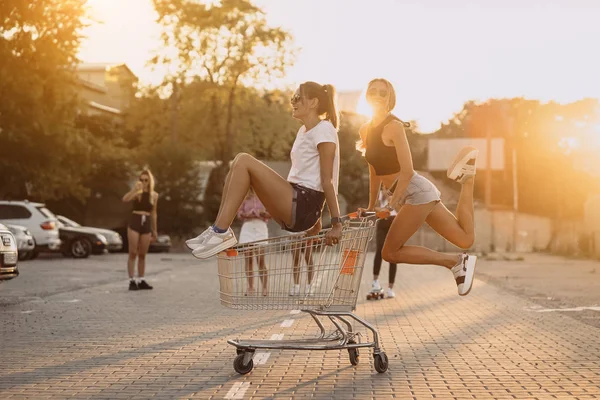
x,y
42,155
227,45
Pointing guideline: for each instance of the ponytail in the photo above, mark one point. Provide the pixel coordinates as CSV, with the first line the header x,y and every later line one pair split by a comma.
x,y
331,112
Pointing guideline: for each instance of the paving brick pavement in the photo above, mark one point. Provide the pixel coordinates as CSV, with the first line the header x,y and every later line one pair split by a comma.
x,y
104,342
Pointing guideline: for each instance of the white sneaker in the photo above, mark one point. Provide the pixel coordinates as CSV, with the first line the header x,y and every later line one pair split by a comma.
x,y
295,290
464,272
375,286
214,243
198,240
308,290
390,293
463,166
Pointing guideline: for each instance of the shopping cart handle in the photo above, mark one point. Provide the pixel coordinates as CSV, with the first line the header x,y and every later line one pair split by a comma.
x,y
366,214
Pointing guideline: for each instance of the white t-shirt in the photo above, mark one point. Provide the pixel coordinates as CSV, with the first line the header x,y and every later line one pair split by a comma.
x,y
306,166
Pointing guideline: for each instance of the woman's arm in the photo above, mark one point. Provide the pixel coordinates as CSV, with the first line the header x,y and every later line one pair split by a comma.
x,y
395,131
133,193
374,186
155,216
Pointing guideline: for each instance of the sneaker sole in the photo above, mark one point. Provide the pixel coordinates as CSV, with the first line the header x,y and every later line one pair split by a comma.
x,y
190,246
217,249
470,275
462,158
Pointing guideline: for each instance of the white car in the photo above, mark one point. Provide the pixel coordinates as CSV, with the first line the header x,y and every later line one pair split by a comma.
x,y
37,219
9,255
25,241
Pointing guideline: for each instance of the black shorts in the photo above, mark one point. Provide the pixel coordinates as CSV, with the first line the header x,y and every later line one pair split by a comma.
x,y
140,223
306,208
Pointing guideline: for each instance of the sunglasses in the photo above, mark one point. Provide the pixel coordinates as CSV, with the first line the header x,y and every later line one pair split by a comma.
x,y
295,99
373,92
144,180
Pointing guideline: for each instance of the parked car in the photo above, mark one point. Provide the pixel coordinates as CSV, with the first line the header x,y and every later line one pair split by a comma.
x,y
38,220
162,244
81,242
114,239
9,255
25,241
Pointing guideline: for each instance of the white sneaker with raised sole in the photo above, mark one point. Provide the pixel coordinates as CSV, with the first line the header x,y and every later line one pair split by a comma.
x,y
464,165
464,273
390,293
198,240
214,243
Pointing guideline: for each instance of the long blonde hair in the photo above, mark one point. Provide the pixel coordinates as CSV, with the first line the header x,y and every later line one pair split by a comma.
x,y
146,171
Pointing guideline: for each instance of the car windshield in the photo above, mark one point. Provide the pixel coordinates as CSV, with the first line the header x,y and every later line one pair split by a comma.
x,y
68,222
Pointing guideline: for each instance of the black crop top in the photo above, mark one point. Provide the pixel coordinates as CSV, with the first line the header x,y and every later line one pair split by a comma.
x,y
383,158
143,204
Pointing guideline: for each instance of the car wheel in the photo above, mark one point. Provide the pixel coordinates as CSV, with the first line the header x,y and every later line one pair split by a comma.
x,y
25,255
80,248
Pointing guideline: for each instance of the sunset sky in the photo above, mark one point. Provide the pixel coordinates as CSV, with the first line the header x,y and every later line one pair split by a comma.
x,y
437,53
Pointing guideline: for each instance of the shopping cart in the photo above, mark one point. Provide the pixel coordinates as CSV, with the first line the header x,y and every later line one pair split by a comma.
x,y
336,273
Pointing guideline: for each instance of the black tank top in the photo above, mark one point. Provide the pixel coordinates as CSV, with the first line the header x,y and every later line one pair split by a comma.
x,y
143,204
383,158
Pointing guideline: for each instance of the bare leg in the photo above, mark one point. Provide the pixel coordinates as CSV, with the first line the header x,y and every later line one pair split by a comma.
x,y
273,191
310,267
296,254
133,240
250,270
262,267
406,223
143,246
459,230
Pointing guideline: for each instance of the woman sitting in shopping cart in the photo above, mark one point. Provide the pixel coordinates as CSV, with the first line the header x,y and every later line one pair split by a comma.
x,y
417,200
295,203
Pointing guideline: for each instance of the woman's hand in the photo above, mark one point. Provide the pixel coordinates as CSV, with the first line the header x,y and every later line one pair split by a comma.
x,y
334,235
361,211
138,187
153,236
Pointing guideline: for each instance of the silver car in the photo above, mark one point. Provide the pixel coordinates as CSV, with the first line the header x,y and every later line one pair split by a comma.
x,y
25,241
113,239
9,255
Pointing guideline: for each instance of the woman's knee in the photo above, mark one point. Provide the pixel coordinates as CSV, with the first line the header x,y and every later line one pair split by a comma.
x,y
241,159
466,242
142,257
133,254
389,254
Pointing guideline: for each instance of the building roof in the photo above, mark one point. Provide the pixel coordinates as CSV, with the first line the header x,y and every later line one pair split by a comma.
x,y
103,67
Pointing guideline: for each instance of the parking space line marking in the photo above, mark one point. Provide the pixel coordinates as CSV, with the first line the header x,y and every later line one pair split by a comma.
x,y
261,358
287,323
277,336
238,390
295,312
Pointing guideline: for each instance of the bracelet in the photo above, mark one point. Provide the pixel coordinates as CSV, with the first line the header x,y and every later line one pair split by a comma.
x,y
335,220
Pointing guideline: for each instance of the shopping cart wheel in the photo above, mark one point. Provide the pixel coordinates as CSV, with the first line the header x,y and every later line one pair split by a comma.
x,y
353,353
240,368
381,362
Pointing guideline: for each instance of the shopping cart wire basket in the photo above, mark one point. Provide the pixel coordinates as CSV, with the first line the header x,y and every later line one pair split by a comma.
x,y
326,287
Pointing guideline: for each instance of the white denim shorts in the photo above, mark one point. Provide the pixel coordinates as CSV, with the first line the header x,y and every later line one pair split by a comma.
x,y
420,190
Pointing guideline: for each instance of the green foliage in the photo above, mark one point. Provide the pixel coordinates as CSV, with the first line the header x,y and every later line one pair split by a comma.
x,y
228,45
42,155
